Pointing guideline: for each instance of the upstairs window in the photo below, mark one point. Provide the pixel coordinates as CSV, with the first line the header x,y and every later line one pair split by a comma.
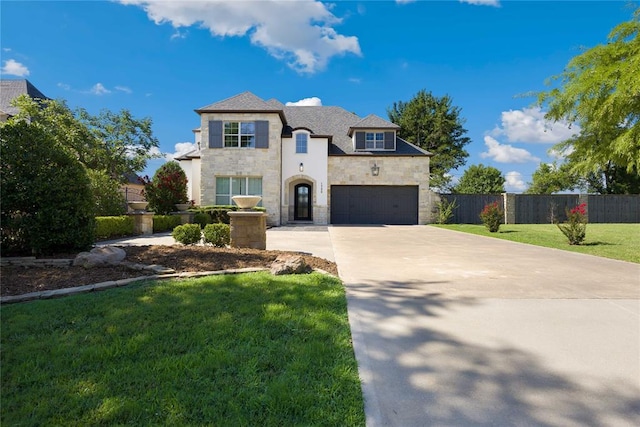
x,y
240,134
301,142
374,140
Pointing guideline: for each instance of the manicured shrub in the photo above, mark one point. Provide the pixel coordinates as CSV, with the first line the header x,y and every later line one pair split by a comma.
x,y
219,235
165,222
202,218
575,227
492,216
187,234
219,213
108,227
47,205
167,188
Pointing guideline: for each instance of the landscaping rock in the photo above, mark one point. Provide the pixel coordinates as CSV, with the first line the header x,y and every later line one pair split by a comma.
x,y
289,264
100,257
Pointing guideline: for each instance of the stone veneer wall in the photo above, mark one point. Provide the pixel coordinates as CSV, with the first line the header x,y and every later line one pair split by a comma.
x,y
252,162
394,170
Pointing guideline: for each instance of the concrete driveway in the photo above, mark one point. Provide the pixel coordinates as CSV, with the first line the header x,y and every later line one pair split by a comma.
x,y
452,329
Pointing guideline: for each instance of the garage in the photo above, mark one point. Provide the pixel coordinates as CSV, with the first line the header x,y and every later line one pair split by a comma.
x,y
374,204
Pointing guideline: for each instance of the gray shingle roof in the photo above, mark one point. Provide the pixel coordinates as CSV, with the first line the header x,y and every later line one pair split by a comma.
x,y
333,122
11,89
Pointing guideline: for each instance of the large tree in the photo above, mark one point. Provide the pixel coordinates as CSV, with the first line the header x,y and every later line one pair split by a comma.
x,y
436,125
599,91
480,179
553,178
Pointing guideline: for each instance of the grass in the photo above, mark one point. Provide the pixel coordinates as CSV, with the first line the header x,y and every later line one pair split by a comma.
x,y
238,350
617,241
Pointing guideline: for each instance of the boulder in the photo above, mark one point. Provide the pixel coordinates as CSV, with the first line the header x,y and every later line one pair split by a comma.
x,y
100,257
289,264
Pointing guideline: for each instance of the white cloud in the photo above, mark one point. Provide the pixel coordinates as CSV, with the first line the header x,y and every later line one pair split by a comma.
x,y
355,80
529,125
181,148
495,3
514,182
123,89
298,32
6,49
64,86
14,68
178,35
98,89
314,101
405,1
505,153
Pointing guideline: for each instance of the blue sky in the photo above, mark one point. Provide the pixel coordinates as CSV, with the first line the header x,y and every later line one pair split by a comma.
x,y
163,59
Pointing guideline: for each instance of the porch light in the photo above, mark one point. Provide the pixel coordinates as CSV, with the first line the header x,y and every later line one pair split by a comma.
x,y
375,169
301,167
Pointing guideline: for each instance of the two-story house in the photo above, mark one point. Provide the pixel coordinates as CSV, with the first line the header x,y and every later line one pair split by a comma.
x,y
320,165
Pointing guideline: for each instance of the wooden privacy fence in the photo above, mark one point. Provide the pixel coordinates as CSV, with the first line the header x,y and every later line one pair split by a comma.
x,y
544,209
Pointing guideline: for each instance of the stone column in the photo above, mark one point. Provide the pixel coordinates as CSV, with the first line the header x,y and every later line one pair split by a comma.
x,y
509,208
248,229
142,222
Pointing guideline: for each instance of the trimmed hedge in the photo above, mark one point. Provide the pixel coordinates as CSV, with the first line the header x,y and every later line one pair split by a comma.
x,y
202,218
114,226
165,222
219,213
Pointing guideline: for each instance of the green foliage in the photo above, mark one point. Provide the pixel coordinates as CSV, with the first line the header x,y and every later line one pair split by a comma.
x,y
167,188
492,216
202,218
575,227
108,227
108,199
187,234
480,179
435,125
47,205
219,235
445,210
551,178
218,213
115,143
598,90
165,222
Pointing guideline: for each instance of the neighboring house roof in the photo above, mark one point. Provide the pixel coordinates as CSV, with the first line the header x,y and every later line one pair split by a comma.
x,y
11,89
132,178
335,123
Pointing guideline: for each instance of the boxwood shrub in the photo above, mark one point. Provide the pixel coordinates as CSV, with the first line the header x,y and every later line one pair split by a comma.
x,y
187,234
108,227
219,213
219,235
165,222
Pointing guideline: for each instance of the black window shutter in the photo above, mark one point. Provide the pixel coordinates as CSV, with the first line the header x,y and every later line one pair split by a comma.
x,y
389,140
262,133
215,134
360,141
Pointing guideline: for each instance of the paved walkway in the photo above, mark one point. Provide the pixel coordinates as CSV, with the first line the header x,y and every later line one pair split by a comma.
x,y
452,329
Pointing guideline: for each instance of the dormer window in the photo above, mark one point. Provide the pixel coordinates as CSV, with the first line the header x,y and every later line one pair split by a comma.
x,y
374,140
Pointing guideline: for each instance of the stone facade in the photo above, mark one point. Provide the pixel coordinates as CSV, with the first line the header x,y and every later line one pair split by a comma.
x,y
394,170
251,162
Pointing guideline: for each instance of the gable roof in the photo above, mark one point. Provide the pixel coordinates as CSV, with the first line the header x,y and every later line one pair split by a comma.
x,y
242,103
373,122
11,89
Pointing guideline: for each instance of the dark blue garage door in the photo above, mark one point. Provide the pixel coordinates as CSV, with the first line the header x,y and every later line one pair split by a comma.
x,y
374,204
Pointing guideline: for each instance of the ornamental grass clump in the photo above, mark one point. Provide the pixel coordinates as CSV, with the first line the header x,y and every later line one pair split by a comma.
x,y
575,227
491,216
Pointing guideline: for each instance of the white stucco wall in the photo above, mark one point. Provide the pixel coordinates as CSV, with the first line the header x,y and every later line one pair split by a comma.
x,y
315,163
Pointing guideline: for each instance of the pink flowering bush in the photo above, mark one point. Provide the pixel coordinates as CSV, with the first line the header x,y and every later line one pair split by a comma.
x,y
492,216
575,227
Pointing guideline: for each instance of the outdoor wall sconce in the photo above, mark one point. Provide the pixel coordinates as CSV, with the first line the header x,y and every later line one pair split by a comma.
x,y
375,169
301,167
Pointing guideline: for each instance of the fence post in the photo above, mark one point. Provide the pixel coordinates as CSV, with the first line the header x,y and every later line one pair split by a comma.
x,y
509,207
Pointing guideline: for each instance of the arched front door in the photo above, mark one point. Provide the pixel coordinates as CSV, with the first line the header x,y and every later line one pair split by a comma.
x,y
302,202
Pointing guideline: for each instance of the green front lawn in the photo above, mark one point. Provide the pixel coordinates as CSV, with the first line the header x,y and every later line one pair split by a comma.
x,y
237,350
617,241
